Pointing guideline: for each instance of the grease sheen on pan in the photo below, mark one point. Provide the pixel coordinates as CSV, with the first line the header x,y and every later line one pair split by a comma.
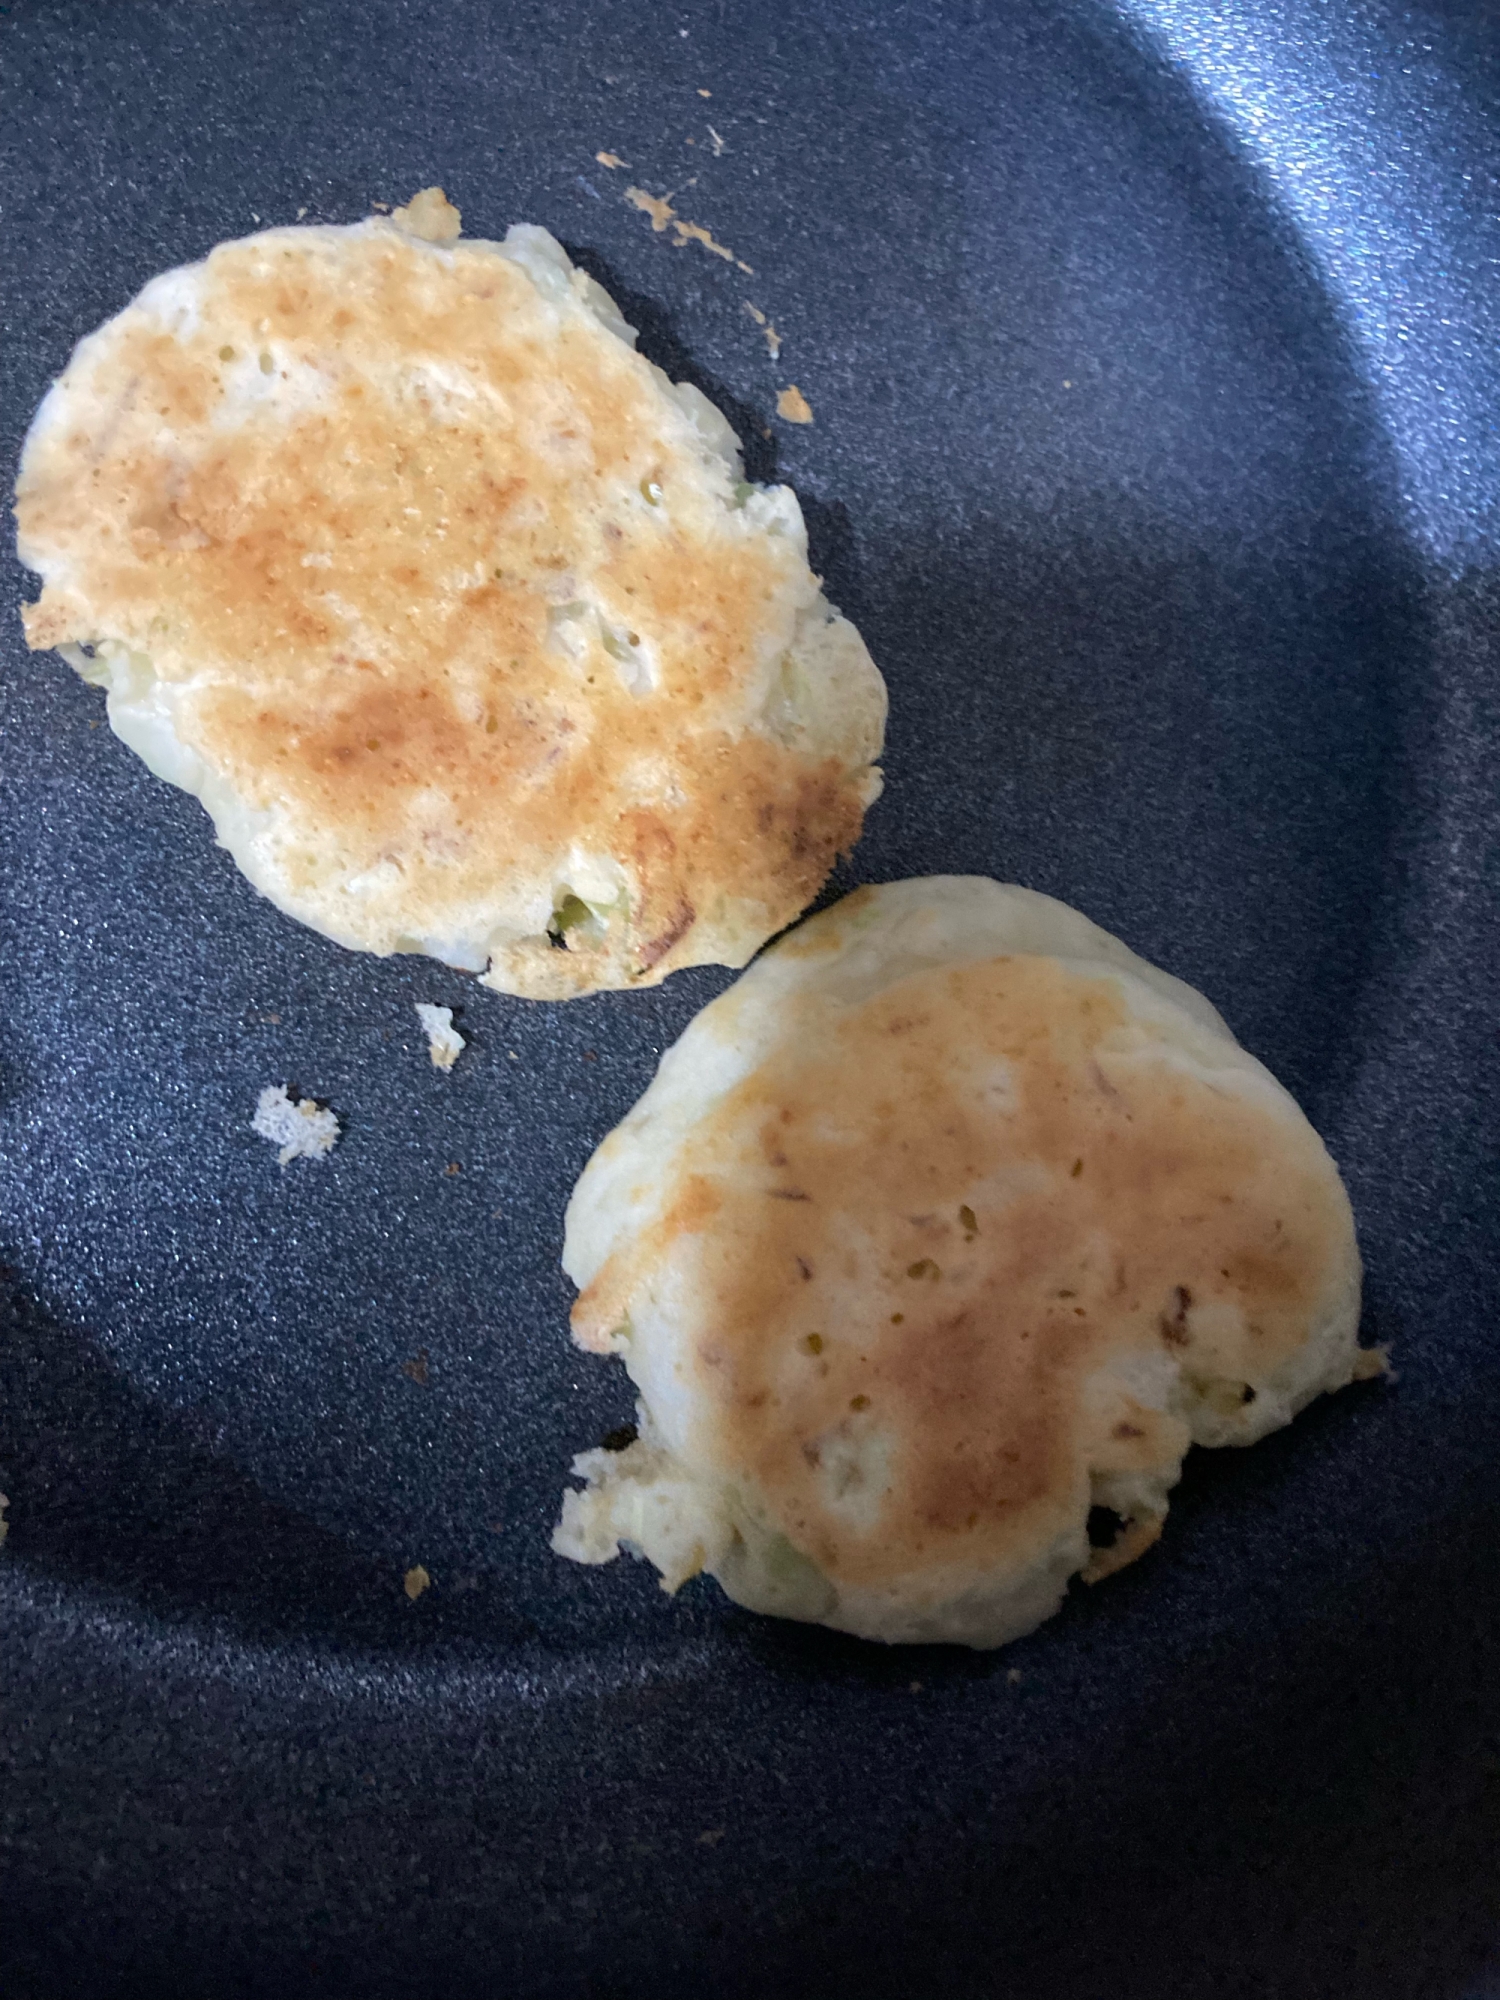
x,y
457,615
951,1221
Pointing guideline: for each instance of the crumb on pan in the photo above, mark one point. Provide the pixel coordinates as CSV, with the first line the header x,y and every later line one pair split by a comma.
x,y
444,1043
664,216
772,338
793,407
304,1131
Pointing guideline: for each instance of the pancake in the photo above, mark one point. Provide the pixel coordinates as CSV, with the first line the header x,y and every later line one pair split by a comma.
x,y
460,619
950,1223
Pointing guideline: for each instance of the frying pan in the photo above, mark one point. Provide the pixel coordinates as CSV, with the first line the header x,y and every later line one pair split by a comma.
x,y
1152,355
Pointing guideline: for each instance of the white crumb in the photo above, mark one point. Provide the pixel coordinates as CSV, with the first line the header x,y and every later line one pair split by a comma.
x,y
303,1131
444,1043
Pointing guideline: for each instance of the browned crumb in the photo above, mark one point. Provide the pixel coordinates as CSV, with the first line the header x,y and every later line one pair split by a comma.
x,y
415,1581
772,337
610,160
793,406
657,207
417,1368
694,232
662,214
453,1167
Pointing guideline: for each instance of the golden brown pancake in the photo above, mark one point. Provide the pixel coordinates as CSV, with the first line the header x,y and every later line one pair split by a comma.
x,y
459,618
951,1222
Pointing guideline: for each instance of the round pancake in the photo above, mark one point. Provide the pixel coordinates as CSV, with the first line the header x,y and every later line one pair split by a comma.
x,y
950,1222
457,615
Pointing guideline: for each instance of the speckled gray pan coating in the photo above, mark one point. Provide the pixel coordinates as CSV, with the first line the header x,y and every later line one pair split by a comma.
x,y
1203,643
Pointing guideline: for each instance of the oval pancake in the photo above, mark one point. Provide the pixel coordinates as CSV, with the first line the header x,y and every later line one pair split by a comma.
x,y
457,615
951,1222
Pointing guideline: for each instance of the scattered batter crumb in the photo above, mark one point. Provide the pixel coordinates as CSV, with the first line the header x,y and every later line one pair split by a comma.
x,y
694,232
610,160
1014,1676
300,213
772,337
415,1581
658,207
705,93
304,1131
444,1043
417,1369
716,142
769,331
792,405
915,1687
662,214
453,1167
4,1524
712,1838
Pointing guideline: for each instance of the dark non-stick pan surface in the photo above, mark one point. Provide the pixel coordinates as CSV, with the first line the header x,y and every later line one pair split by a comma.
x,y
1152,351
